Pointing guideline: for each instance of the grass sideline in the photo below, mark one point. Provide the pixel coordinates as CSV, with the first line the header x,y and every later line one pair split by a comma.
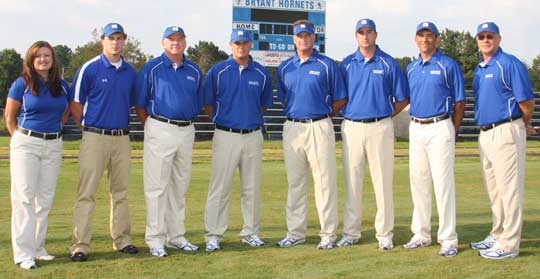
x,y
236,260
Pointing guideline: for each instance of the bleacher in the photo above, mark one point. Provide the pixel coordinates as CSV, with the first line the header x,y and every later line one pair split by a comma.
x,y
274,120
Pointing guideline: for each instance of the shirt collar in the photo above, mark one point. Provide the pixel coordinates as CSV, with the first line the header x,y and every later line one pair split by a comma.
x,y
168,62
358,55
492,60
108,64
231,61
434,58
311,58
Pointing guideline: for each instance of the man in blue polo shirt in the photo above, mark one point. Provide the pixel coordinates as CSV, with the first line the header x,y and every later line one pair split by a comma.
x,y
103,93
376,90
312,90
236,91
437,104
169,90
503,108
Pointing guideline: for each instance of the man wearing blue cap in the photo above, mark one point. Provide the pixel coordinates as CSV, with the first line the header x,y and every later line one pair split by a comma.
x,y
169,97
103,93
503,108
376,90
437,104
312,90
236,92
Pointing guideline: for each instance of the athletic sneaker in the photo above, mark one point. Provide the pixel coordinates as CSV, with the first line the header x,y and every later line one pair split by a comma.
x,y
325,245
485,244
45,258
448,251
212,245
186,246
289,242
345,241
159,252
417,243
253,240
496,254
386,244
28,264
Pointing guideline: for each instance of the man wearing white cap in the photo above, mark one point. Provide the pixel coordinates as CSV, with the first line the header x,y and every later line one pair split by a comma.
x,y
312,90
169,97
503,108
236,92
376,91
437,104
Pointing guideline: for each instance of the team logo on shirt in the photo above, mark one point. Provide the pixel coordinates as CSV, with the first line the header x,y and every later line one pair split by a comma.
x,y
378,72
104,80
253,82
190,78
315,73
435,72
489,76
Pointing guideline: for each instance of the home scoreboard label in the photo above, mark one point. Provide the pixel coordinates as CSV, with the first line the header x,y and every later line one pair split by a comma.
x,y
270,22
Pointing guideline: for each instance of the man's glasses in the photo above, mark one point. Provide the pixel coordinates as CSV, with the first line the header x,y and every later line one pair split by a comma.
x,y
487,36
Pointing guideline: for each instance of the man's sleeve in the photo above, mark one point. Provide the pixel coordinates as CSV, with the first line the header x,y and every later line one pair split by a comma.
x,y
400,87
337,83
456,82
519,81
267,100
142,87
209,89
81,84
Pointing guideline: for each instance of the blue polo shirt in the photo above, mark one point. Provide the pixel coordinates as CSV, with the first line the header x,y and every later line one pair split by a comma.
x,y
41,113
372,85
172,93
435,85
106,93
309,88
499,85
238,95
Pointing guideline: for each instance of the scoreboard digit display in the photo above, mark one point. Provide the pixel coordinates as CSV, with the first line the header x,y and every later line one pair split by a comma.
x,y
270,22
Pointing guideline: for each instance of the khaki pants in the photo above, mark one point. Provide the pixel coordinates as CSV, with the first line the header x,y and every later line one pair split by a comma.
x,y
502,154
229,151
431,166
312,145
97,153
374,142
168,153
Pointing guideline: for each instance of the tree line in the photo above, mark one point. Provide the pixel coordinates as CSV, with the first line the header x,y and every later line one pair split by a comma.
x,y
459,45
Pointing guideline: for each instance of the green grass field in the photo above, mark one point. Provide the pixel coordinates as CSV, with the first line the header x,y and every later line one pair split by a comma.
x,y
237,260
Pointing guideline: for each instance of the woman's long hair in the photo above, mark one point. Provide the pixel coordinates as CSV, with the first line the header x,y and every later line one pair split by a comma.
x,y
30,75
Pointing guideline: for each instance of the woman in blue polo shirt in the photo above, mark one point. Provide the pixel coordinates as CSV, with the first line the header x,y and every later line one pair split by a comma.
x,y
36,109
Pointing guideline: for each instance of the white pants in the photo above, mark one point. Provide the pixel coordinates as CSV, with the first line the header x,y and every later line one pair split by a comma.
x,y
374,142
431,162
229,151
35,164
167,172
502,154
312,145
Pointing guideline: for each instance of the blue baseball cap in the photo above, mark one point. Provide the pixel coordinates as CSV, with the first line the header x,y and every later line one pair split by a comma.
x,y
112,28
303,27
487,27
171,30
426,25
240,34
365,23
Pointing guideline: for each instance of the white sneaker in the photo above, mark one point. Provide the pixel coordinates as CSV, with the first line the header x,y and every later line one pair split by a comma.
x,y
417,243
345,241
325,245
45,258
485,244
159,252
28,264
289,242
186,246
496,254
386,244
448,251
212,245
253,240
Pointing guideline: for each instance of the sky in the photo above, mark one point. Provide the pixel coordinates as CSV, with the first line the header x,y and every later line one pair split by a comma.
x,y
70,22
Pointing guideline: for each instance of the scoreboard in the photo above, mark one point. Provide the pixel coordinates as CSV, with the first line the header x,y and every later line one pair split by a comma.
x,y
270,22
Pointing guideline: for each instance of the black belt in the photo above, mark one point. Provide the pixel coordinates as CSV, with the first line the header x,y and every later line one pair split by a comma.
x,y
308,120
118,132
493,125
238,131
369,120
180,123
430,120
45,136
